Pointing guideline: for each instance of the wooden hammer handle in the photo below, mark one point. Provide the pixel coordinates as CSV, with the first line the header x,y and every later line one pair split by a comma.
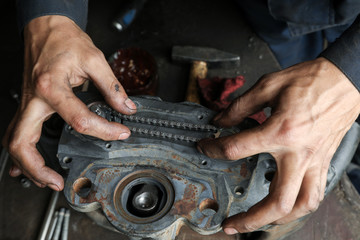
x,y
198,70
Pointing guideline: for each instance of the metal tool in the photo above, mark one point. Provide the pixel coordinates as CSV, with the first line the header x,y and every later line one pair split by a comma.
x,y
127,14
59,224
48,215
65,227
200,57
50,233
25,182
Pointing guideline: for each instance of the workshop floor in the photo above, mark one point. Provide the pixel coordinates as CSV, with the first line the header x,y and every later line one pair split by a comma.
x,y
160,25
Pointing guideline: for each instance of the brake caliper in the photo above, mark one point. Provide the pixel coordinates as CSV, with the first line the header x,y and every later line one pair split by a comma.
x,y
157,175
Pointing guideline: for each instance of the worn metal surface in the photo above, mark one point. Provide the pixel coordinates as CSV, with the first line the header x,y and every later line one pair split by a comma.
x,y
206,54
161,156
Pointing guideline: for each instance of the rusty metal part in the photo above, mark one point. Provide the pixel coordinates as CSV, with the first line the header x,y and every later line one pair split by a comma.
x,y
183,187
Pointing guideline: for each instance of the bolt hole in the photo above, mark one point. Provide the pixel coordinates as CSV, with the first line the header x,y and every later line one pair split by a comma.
x,y
208,207
269,175
108,145
67,160
239,191
69,128
82,186
200,117
250,159
204,162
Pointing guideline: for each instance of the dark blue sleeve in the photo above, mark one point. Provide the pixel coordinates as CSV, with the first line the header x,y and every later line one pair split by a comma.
x,y
76,10
345,53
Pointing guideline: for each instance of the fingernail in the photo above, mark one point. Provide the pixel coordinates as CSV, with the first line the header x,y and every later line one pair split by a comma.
x,y
54,186
230,231
124,135
14,171
199,149
130,104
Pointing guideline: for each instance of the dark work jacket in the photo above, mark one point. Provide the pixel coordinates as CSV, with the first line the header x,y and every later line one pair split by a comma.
x,y
306,16
76,10
302,17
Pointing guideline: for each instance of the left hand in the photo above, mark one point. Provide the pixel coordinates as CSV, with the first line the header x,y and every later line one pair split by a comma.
x,y
313,106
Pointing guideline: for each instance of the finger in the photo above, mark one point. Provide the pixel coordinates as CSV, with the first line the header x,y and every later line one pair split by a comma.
x,y
104,79
22,146
277,204
15,171
35,169
237,146
309,196
76,114
26,174
335,142
254,100
313,187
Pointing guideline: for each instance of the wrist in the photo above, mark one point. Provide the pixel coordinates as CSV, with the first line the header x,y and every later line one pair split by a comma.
x,y
331,70
44,25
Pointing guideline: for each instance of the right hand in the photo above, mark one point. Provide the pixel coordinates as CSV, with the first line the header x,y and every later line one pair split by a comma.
x,y
58,57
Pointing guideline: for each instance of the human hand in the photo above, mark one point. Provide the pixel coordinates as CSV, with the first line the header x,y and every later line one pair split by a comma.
x,y
58,57
313,106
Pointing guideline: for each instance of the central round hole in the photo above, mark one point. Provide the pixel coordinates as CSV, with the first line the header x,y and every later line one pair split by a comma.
x,y
144,196
145,199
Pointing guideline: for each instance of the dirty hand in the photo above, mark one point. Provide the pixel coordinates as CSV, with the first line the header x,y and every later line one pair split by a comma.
x,y
313,105
59,56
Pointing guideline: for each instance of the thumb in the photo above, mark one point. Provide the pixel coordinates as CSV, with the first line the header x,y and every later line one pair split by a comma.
x,y
254,100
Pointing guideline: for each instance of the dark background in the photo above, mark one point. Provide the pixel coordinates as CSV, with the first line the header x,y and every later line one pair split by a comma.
x,y
160,25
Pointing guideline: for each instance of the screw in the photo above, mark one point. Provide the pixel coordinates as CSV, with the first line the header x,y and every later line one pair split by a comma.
x,y
25,182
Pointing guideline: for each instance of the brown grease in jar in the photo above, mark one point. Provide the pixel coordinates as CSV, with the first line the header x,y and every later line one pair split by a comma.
x,y
136,71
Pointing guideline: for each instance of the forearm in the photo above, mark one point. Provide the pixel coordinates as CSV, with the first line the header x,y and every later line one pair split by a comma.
x,y
345,53
76,10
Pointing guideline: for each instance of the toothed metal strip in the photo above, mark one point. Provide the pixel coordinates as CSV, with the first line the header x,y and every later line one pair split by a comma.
x,y
100,109
167,135
166,123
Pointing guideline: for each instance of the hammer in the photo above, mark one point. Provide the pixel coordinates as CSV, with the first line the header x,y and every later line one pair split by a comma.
x,y
199,57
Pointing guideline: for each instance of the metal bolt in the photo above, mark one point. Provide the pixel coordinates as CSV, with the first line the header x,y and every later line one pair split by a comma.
x,y
53,225
65,229
15,95
25,182
146,198
59,224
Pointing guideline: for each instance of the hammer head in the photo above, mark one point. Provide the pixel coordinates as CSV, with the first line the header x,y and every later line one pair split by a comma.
x,y
205,54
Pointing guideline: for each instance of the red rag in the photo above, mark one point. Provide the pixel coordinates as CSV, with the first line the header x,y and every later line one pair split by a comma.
x,y
216,94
